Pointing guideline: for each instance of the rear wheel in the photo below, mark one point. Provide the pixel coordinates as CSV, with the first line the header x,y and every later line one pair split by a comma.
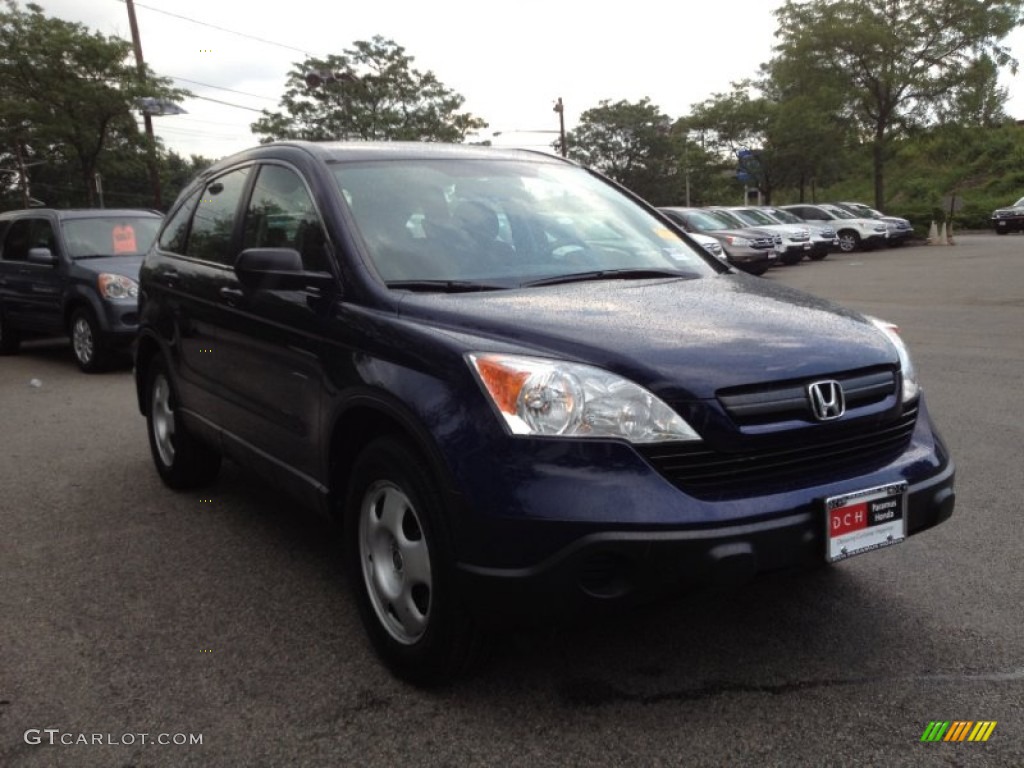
x,y
10,339
182,460
401,567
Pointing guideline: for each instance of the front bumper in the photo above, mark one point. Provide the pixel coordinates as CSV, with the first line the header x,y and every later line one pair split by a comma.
x,y
564,528
120,322
1009,224
623,567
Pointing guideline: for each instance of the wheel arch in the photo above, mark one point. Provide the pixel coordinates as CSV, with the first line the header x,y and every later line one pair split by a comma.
x,y
367,415
146,350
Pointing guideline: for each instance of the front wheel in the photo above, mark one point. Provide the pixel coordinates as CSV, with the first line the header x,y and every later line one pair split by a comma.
x,y
401,567
87,343
182,461
849,241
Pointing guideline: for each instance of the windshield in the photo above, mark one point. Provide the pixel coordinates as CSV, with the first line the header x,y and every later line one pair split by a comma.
x,y
838,212
110,235
503,224
756,217
785,216
704,221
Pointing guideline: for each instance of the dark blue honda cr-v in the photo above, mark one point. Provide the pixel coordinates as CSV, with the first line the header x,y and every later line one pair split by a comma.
x,y
516,386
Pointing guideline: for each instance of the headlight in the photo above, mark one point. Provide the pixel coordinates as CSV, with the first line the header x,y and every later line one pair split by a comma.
x,y
742,242
911,389
536,396
117,287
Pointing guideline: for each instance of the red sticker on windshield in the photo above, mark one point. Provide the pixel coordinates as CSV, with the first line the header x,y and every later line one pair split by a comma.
x,y
124,239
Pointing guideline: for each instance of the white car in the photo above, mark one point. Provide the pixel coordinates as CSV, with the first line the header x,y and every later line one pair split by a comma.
x,y
855,234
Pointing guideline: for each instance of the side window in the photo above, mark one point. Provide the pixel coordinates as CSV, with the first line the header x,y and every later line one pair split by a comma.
x,y
28,233
214,220
281,215
18,240
175,234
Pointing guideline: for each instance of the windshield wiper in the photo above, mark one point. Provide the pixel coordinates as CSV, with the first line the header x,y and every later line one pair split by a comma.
x,y
610,274
444,286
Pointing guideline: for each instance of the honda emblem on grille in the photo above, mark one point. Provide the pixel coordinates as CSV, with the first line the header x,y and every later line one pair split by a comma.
x,y
827,401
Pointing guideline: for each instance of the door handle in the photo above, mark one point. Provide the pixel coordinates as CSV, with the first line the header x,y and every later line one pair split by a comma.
x,y
230,295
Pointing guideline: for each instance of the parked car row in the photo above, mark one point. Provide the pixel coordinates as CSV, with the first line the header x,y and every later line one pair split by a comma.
x,y
755,238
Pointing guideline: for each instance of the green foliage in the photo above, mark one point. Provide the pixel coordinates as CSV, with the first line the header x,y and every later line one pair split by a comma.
x,y
633,143
380,97
899,62
66,95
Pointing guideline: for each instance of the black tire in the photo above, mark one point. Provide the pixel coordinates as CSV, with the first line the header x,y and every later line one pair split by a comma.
x,y
755,271
405,559
10,338
849,241
1002,231
87,341
790,259
182,461
818,256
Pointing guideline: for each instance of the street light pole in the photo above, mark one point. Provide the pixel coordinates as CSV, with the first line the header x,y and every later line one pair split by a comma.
x,y
154,173
560,109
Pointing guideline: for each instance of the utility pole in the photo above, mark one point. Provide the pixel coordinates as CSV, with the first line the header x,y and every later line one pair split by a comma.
x,y
154,173
560,109
22,173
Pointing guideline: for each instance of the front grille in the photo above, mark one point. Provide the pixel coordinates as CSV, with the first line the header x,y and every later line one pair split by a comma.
x,y
828,233
706,473
763,242
785,402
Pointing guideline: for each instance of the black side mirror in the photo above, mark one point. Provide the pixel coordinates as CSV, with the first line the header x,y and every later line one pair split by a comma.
x,y
42,256
279,269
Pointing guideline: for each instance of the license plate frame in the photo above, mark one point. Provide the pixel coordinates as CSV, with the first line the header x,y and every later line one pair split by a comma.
x,y
865,520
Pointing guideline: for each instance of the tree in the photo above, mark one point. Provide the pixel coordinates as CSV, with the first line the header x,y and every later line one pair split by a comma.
x,y
66,92
633,143
372,92
895,60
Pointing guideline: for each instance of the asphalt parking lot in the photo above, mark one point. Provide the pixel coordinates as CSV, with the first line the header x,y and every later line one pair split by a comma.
x,y
127,609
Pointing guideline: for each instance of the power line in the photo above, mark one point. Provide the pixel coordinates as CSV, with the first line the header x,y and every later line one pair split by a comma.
x,y
221,88
222,29
227,103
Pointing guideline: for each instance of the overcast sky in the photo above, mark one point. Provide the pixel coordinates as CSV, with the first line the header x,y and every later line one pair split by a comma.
x,y
510,63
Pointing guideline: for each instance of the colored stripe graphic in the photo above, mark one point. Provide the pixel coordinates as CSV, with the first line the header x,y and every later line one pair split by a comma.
x,y
958,730
935,730
982,730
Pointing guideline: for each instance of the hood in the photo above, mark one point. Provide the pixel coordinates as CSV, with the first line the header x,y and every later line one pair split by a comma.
x,y
119,265
682,339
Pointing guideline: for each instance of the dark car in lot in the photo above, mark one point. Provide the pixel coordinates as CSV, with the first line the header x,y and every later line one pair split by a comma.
x,y
519,390
73,273
1010,219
